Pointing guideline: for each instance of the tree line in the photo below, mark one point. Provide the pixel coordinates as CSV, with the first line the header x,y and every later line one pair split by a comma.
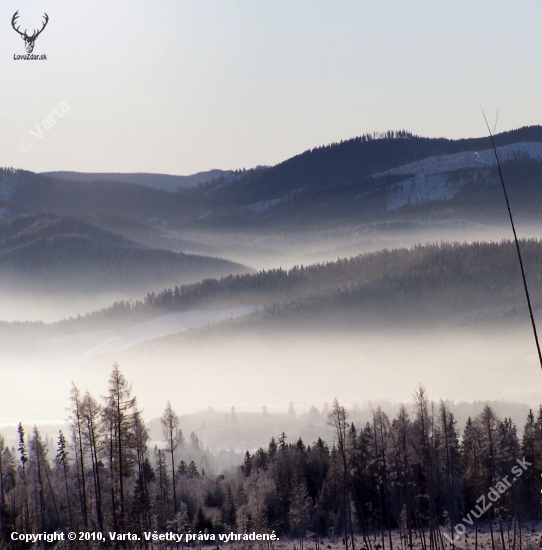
x,y
415,474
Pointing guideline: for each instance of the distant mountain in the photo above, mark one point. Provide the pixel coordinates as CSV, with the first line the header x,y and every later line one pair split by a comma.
x,y
364,179
153,234
156,181
23,192
44,252
353,160
391,178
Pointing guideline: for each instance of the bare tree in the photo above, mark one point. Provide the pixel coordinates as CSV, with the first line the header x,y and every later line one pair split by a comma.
x,y
172,436
76,424
141,492
91,413
337,419
119,414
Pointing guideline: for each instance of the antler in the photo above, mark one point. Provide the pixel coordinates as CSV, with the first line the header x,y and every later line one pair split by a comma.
x,y
37,33
14,20
23,34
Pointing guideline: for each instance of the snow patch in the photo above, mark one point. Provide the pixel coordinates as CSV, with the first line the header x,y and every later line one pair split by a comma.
x,y
164,326
261,206
421,189
467,159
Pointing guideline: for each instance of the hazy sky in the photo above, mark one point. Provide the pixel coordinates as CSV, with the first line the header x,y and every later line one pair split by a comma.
x,y
182,86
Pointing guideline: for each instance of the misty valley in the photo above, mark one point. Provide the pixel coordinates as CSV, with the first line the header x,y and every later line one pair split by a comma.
x,y
336,349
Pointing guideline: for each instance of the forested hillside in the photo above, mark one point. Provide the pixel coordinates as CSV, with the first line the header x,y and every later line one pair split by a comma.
x,y
25,192
355,159
417,475
157,181
47,253
455,197
449,283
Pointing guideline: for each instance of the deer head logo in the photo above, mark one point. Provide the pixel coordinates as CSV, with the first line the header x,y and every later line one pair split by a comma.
x,y
28,40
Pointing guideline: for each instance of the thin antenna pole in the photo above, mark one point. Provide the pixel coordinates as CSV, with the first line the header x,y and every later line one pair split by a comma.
x,y
516,241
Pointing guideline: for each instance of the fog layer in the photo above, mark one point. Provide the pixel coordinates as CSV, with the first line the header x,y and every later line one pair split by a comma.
x,y
276,369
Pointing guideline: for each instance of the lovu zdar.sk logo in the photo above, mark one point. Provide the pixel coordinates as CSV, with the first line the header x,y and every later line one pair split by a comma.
x,y
29,40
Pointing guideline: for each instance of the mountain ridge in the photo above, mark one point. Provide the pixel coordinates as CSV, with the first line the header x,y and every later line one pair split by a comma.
x,y
54,253
166,182
362,156
333,184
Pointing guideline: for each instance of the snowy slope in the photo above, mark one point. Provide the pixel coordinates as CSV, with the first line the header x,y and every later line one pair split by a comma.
x,y
429,178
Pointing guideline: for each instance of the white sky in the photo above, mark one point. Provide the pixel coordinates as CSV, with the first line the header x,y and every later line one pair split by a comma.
x,y
182,86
